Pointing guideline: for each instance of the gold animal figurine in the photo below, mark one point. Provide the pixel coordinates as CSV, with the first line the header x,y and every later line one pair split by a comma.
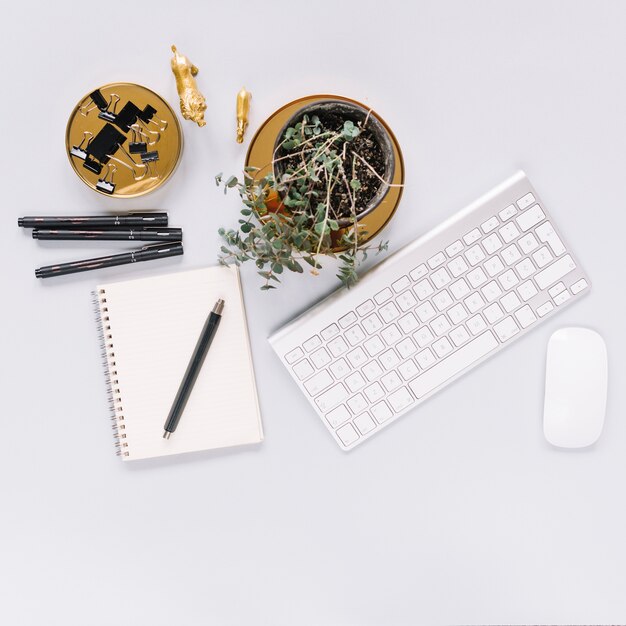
x,y
192,102
243,109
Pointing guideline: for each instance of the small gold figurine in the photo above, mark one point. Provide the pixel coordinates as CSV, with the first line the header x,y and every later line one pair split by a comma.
x,y
243,108
192,102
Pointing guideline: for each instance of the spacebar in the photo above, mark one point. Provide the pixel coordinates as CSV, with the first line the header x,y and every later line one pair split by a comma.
x,y
446,369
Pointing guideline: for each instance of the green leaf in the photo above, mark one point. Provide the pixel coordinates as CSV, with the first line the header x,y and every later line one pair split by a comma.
x,y
218,178
355,183
277,268
231,182
246,228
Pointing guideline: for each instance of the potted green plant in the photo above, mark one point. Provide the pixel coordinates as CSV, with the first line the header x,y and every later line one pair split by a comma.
x,y
333,163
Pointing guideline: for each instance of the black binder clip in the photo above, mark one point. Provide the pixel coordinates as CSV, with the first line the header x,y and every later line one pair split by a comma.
x,y
105,143
109,113
146,116
92,165
104,185
78,151
96,101
148,158
136,146
127,116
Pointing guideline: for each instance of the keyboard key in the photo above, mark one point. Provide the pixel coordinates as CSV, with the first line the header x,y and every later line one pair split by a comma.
x,y
423,336
510,301
525,316
329,332
554,291
372,370
355,381
347,319
555,272
509,232
440,278
365,307
338,416
391,334
436,260
425,311
391,381
525,268
401,284
474,255
457,266
440,325
406,301
459,289
457,313
374,392
454,248
340,368
294,355
337,346
528,243
492,243
564,296
357,403
546,234
511,254
578,286
347,434
508,280
459,336
320,358
364,423
477,277
442,347
490,224
303,369
381,412
476,324
453,364
525,201
542,257
372,323
318,383
425,358
472,236
400,399
331,398
527,290
408,323
374,345
442,300
491,291
545,308
311,343
493,266
354,335
474,302
383,296
389,359
507,212
406,347
530,218
357,357
389,312
418,272
408,369
423,289
493,313
506,329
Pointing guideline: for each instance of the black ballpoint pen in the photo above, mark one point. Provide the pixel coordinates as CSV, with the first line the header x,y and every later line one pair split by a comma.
x,y
100,221
147,253
110,234
193,369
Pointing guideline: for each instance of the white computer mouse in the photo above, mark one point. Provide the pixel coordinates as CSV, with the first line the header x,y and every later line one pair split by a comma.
x,y
576,383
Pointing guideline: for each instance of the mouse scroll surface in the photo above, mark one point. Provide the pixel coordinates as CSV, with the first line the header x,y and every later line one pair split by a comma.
x,y
576,384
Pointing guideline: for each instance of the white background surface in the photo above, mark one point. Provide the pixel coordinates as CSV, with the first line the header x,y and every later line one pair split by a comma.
x,y
460,512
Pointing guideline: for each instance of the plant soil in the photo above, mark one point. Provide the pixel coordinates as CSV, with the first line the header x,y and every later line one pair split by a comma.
x,y
366,146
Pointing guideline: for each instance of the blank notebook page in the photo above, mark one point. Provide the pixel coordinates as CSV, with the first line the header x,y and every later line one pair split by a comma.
x,y
151,327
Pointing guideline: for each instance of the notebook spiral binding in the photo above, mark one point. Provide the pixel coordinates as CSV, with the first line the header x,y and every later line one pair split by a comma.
x,y
110,372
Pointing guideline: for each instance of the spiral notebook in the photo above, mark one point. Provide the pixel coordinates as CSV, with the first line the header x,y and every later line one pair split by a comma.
x,y
149,328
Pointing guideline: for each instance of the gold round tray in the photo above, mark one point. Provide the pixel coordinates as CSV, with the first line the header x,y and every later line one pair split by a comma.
x,y
148,155
262,147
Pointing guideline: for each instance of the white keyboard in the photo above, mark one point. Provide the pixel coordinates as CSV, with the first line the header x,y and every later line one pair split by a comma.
x,y
430,312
